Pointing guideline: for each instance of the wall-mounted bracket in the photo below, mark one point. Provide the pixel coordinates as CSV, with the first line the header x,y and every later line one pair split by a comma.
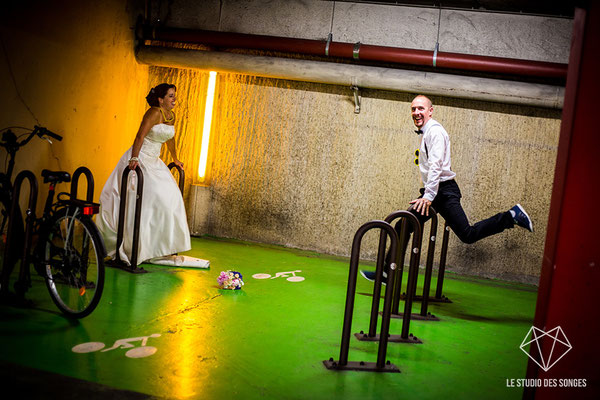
x,y
357,98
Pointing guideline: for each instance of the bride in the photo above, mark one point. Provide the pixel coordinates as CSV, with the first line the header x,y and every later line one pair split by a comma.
x,y
163,223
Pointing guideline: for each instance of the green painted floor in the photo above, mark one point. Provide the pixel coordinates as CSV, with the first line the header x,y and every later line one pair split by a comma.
x,y
266,341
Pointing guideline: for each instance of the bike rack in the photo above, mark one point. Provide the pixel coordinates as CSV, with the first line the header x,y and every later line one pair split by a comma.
x,y
381,365
24,281
423,315
440,281
90,183
181,175
439,298
117,262
394,285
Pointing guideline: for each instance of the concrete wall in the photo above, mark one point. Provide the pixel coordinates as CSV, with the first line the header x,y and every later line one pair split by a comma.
x,y
74,68
471,32
292,164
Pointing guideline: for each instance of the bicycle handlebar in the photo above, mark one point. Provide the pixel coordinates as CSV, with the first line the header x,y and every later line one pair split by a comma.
x,y
9,139
41,131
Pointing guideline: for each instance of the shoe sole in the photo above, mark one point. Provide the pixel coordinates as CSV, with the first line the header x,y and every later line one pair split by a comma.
x,y
365,276
527,215
369,279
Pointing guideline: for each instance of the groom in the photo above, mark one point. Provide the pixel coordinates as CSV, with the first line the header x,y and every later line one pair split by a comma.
x,y
441,191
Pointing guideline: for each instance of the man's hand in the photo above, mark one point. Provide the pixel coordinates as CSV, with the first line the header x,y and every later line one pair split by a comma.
x,y
421,206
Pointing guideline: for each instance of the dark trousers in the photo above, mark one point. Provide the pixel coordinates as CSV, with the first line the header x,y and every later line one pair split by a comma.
x,y
447,204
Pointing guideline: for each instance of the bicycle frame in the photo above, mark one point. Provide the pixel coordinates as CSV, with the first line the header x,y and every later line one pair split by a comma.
x,y
69,253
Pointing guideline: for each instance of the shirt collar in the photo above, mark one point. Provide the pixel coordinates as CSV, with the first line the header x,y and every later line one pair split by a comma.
x,y
428,125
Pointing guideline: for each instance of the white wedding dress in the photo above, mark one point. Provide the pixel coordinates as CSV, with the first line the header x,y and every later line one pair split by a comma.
x,y
163,223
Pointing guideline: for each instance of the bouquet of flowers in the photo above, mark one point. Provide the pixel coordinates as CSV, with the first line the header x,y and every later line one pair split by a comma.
x,y
230,280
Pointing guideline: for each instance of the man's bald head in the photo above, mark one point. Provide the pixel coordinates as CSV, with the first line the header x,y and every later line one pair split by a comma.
x,y
421,109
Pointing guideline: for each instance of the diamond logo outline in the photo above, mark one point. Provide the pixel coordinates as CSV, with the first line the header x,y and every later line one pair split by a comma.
x,y
537,335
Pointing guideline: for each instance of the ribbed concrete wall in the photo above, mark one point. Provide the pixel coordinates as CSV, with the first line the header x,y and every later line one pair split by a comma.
x,y
462,31
292,164
75,73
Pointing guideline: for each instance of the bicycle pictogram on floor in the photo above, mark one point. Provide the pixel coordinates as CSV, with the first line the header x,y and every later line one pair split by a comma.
x,y
289,276
134,352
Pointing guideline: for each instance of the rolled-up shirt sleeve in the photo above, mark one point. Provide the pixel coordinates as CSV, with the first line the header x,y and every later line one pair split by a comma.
x,y
436,148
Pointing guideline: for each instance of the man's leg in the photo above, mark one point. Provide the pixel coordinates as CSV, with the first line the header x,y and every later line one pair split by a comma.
x,y
447,204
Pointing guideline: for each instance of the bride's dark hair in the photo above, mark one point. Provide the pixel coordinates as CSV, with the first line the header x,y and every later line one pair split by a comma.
x,y
159,91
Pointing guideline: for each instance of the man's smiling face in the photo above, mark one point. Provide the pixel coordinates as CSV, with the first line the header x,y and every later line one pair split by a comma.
x,y
421,110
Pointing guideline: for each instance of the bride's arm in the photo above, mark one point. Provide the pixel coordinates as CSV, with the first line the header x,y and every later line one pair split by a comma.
x,y
171,147
151,118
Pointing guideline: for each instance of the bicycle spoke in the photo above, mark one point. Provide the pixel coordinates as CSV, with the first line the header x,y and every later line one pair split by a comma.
x,y
74,270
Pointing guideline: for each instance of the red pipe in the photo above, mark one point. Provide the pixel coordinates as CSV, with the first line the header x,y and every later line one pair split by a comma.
x,y
365,52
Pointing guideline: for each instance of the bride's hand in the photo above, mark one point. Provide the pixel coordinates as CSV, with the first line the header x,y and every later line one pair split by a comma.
x,y
178,163
133,163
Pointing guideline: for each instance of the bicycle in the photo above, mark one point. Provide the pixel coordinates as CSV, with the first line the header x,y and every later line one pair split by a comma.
x,y
64,244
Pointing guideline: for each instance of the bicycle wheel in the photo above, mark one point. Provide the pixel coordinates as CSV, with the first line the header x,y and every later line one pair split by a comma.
x,y
4,212
14,252
74,264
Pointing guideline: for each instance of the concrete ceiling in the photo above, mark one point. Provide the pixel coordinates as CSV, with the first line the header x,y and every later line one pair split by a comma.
x,y
538,7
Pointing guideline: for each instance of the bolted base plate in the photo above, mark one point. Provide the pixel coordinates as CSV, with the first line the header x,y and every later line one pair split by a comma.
x,y
391,338
415,316
360,366
122,265
418,297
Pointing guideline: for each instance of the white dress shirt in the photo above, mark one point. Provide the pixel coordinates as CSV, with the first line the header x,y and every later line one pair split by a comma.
x,y
434,158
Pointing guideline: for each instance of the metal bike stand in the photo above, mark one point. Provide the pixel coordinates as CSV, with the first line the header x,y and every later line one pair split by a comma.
x,y
181,175
394,286
439,298
90,183
24,281
381,365
424,315
89,197
117,262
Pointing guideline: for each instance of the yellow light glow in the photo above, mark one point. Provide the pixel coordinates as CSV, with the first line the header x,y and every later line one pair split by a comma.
x,y
208,108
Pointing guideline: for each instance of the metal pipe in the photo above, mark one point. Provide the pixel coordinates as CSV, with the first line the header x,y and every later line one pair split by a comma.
x,y
436,84
351,291
181,175
377,284
400,257
429,263
367,52
90,183
24,281
413,272
138,214
136,225
442,267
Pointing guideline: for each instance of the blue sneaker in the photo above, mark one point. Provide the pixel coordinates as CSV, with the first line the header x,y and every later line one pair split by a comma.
x,y
521,218
370,276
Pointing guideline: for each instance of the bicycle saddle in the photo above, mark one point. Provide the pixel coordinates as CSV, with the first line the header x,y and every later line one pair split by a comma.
x,y
56,176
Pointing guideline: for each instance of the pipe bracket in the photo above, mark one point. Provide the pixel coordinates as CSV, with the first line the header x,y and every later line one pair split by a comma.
x,y
329,38
357,98
356,51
